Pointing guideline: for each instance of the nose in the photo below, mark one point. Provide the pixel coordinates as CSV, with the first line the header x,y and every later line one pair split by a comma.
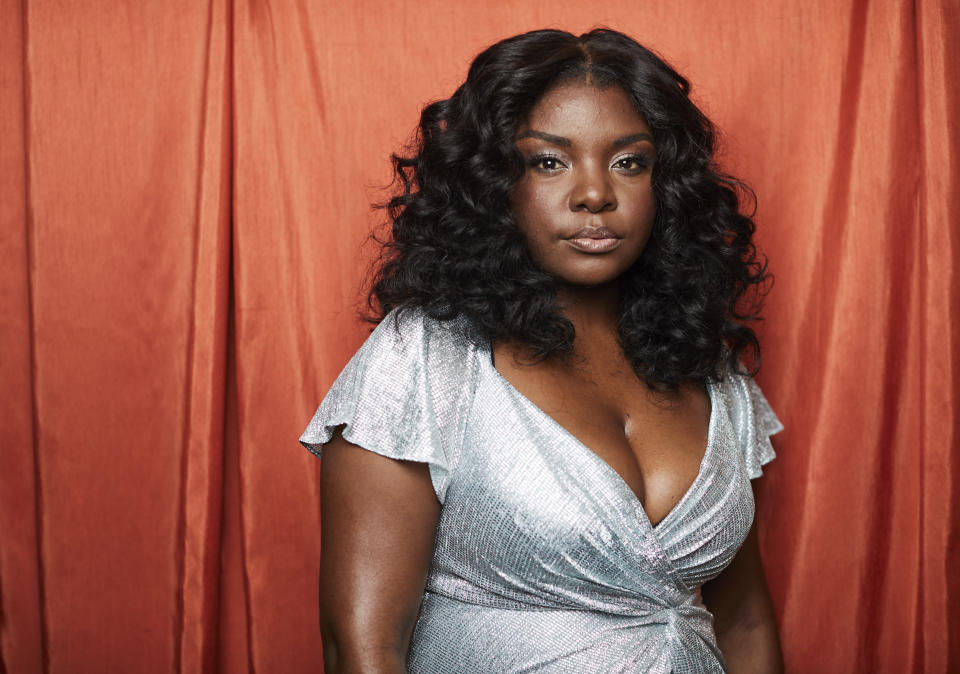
x,y
592,191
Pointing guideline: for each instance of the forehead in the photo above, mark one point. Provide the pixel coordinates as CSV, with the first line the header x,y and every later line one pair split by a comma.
x,y
582,108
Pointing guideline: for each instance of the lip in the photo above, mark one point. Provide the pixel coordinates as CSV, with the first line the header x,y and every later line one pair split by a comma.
x,y
588,245
594,240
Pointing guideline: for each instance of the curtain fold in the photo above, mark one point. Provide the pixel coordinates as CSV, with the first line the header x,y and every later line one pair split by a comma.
x,y
939,320
22,601
184,205
202,454
859,297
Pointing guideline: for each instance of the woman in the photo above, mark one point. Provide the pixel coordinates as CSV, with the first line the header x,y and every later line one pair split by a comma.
x,y
545,448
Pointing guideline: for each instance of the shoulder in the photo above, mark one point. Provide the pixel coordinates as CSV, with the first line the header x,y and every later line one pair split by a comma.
x,y
752,418
404,394
407,336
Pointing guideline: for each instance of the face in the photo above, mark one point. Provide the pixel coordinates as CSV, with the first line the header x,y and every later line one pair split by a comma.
x,y
585,203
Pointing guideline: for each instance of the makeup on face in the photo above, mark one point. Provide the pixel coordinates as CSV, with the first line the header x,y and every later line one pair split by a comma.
x,y
585,202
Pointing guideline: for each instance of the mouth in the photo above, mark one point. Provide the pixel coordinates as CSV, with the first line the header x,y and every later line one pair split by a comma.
x,y
594,240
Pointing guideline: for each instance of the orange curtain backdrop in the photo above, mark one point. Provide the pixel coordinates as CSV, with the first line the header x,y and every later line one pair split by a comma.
x,y
116,234
185,195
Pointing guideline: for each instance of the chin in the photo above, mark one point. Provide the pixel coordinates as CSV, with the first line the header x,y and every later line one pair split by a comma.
x,y
585,271
589,279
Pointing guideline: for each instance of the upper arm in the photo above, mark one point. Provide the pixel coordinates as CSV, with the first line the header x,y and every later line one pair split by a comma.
x,y
378,518
743,614
739,595
388,432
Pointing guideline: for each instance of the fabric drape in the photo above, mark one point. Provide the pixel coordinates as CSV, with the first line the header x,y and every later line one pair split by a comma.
x,y
185,193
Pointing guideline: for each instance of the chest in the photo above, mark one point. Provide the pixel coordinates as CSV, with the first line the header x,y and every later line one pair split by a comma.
x,y
531,509
654,441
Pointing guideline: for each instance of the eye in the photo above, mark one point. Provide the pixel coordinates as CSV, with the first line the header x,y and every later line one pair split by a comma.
x,y
633,164
545,163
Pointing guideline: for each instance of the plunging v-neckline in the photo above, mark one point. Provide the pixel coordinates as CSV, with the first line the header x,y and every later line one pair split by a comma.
x,y
615,477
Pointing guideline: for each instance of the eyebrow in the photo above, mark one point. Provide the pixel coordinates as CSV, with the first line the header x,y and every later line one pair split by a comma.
x,y
565,142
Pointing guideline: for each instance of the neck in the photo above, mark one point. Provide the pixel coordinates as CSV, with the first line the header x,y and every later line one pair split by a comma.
x,y
593,310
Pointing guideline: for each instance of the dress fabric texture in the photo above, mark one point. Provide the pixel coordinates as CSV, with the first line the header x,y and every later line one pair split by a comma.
x,y
544,559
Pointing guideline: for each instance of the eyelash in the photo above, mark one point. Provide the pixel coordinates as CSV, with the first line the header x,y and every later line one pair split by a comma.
x,y
535,161
641,160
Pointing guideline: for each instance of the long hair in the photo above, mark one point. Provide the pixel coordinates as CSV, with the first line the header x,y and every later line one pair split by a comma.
x,y
686,304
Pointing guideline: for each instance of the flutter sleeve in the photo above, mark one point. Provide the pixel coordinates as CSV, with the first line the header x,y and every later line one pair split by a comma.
x,y
402,395
754,421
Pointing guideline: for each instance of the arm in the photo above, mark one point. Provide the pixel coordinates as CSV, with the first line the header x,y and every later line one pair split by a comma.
x,y
378,519
743,614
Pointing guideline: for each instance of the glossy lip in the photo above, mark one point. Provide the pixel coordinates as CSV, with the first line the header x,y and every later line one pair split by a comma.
x,y
594,240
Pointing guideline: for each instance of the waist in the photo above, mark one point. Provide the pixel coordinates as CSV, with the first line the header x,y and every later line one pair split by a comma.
x,y
654,603
454,635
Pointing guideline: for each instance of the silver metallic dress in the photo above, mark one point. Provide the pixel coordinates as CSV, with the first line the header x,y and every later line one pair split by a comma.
x,y
544,559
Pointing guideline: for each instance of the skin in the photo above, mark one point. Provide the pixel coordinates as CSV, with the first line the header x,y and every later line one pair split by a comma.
x,y
589,157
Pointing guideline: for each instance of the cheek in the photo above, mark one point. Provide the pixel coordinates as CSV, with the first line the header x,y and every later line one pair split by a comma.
x,y
643,202
518,202
643,212
531,211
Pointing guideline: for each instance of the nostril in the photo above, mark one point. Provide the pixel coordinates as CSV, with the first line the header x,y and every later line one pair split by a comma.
x,y
595,207
594,196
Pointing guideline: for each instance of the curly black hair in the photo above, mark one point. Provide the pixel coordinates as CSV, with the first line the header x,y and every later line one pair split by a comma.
x,y
686,305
